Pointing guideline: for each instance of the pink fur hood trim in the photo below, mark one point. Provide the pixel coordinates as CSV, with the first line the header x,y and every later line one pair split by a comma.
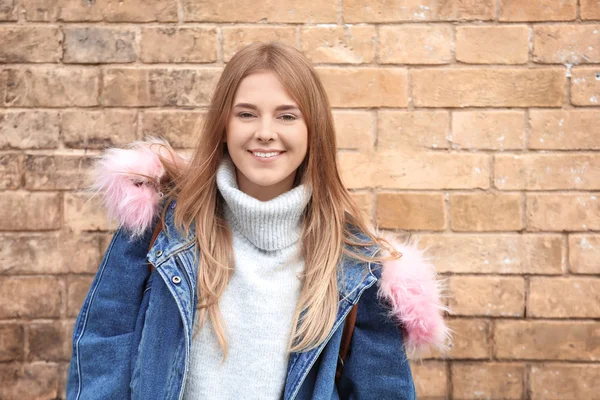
x,y
128,182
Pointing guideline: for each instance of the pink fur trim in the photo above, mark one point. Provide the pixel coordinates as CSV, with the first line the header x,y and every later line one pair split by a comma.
x,y
130,198
410,287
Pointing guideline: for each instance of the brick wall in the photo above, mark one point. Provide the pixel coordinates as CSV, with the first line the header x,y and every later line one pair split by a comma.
x,y
472,123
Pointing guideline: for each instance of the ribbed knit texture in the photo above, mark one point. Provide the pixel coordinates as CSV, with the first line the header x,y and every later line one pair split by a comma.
x,y
258,304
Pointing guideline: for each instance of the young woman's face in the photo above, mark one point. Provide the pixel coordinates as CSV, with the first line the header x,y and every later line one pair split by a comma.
x,y
267,136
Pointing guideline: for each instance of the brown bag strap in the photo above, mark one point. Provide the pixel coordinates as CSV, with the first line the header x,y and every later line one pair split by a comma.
x,y
346,340
157,230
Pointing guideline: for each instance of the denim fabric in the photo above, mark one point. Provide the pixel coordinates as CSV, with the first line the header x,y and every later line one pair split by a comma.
x,y
133,334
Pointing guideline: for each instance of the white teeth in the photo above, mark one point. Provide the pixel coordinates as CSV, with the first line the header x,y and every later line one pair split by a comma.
x,y
266,155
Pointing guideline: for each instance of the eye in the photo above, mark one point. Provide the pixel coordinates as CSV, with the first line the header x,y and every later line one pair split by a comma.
x,y
245,115
288,117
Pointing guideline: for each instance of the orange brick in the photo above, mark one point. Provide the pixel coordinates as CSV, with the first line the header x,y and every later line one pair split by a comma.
x,y
487,380
12,343
566,44
365,87
584,253
486,296
58,171
29,381
538,10
496,254
571,298
22,44
562,212
126,11
29,297
354,129
431,379
42,86
355,169
178,45
309,11
158,86
546,171
488,87
412,130
29,211
554,381
470,338
585,86
99,129
83,213
471,212
50,341
179,127
78,288
590,9
547,340
411,211
29,129
10,170
235,38
364,201
352,44
492,44
406,44
394,170
488,130
416,10
564,130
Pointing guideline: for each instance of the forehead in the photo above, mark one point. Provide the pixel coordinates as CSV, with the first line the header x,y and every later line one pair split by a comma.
x,y
262,87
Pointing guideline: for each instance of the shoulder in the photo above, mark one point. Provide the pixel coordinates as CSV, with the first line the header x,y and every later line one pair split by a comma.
x,y
409,292
127,180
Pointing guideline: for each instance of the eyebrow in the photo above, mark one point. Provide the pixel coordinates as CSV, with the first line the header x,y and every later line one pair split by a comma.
x,y
282,107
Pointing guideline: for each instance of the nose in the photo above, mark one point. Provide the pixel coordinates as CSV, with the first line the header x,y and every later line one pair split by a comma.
x,y
265,131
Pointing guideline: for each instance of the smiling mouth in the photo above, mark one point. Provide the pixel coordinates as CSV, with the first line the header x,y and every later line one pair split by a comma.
x,y
266,155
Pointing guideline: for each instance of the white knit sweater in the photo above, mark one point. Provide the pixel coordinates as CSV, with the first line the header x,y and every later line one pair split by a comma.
x,y
258,304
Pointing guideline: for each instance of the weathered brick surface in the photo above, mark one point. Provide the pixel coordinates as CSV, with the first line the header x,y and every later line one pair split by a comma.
x,y
471,125
488,130
336,44
30,129
564,298
418,44
507,253
566,44
488,87
91,45
564,130
547,172
554,381
488,380
562,212
417,10
412,130
23,44
547,340
585,86
29,211
584,253
492,44
412,211
12,341
471,212
485,296
538,10
177,45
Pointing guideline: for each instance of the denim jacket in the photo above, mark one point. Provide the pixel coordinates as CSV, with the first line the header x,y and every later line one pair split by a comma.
x,y
132,337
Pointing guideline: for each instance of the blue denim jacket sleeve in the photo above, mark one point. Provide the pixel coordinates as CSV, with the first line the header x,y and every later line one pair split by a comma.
x,y
102,336
376,366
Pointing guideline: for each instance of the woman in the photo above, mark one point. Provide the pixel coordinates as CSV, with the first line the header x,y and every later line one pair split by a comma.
x,y
260,256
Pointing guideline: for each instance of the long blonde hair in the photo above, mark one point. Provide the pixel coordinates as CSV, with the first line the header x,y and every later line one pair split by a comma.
x,y
328,217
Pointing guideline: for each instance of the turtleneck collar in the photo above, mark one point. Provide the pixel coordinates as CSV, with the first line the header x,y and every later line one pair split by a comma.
x,y
268,225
